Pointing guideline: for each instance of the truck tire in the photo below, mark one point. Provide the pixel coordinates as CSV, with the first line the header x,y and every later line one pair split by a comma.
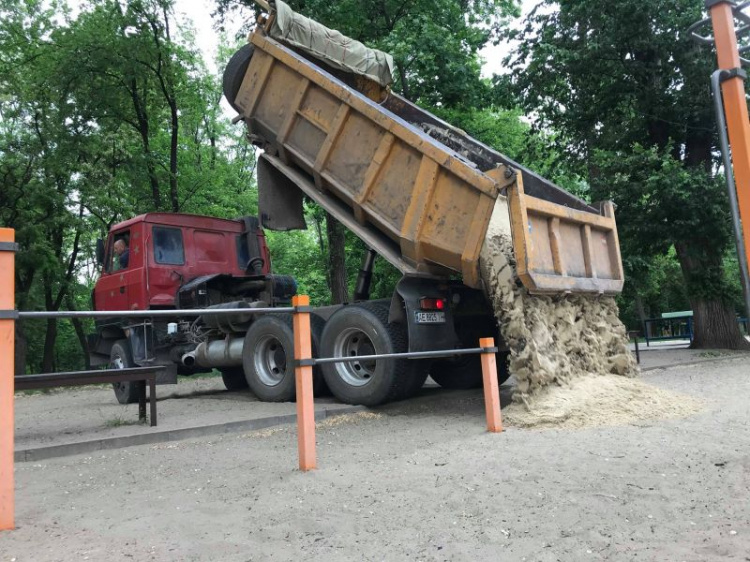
x,y
120,357
268,358
465,371
320,388
417,368
235,73
234,378
363,329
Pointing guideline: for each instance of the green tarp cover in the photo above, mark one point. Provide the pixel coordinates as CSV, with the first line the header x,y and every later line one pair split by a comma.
x,y
329,45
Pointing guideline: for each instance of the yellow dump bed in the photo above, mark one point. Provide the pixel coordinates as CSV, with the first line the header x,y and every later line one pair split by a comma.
x,y
411,186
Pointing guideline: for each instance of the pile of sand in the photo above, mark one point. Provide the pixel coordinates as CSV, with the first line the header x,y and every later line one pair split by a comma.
x,y
590,401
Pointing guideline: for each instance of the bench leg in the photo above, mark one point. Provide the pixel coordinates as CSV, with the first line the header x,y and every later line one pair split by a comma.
x,y
142,401
152,398
637,351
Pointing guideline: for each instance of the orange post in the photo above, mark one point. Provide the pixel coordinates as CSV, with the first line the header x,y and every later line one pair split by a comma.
x,y
491,387
735,107
7,351
304,381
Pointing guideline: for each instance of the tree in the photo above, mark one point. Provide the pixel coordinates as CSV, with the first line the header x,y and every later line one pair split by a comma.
x,y
628,93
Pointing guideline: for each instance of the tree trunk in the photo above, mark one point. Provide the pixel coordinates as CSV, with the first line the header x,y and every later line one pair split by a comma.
x,y
50,335
173,150
80,333
337,261
50,338
641,310
21,347
143,129
715,326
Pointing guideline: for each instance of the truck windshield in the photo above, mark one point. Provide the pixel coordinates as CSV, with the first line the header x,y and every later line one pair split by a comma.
x,y
168,248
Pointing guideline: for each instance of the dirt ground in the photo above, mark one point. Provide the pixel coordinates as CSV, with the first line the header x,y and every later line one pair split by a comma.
x,y
79,414
419,480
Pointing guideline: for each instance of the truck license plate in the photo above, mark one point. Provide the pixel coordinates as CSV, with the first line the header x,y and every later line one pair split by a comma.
x,y
430,317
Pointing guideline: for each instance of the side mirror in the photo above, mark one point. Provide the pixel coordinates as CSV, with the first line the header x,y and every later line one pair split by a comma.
x,y
99,251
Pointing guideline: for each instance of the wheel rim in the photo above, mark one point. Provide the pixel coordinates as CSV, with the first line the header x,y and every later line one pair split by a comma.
x,y
117,363
270,361
354,343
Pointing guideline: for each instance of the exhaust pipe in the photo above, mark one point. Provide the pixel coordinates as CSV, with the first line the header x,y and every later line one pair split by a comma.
x,y
188,360
219,353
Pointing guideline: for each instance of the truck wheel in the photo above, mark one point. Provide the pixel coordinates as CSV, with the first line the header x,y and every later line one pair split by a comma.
x,y
320,388
465,371
121,358
363,329
268,358
416,374
417,378
234,378
235,73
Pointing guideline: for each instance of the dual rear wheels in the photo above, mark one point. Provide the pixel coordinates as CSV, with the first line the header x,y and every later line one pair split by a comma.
x,y
354,331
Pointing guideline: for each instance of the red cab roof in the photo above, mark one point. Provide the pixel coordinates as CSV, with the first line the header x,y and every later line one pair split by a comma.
x,y
184,220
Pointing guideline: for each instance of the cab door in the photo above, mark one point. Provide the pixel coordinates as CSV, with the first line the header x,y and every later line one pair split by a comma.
x,y
121,286
112,291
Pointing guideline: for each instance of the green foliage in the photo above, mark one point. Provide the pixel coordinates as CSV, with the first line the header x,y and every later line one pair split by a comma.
x,y
664,204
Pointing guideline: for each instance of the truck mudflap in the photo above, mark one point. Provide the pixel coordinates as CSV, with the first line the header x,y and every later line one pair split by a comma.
x,y
564,250
405,307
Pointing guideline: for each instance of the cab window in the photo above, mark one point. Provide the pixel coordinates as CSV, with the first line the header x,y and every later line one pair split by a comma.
x,y
168,248
119,252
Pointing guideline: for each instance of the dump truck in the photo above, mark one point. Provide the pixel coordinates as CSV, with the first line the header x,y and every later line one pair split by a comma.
x,y
417,191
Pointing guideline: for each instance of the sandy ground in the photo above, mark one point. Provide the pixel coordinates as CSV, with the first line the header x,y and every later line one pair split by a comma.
x,y
83,413
665,354
419,480
86,413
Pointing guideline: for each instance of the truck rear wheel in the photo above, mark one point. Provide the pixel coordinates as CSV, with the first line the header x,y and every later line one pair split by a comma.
x,y
320,388
363,329
268,358
120,357
234,378
465,371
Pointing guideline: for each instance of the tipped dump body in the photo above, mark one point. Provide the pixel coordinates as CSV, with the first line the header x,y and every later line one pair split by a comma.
x,y
411,186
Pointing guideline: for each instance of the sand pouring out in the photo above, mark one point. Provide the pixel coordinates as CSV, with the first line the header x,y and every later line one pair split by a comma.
x,y
569,353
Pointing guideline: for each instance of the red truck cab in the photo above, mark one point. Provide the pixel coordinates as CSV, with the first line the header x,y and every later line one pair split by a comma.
x,y
166,250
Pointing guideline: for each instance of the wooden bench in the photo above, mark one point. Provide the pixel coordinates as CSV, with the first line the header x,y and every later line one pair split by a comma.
x,y
102,376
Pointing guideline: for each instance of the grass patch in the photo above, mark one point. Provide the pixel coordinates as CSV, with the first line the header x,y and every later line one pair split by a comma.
x,y
210,375
711,354
119,422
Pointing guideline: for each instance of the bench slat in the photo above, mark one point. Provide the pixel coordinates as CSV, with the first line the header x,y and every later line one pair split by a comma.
x,y
99,376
